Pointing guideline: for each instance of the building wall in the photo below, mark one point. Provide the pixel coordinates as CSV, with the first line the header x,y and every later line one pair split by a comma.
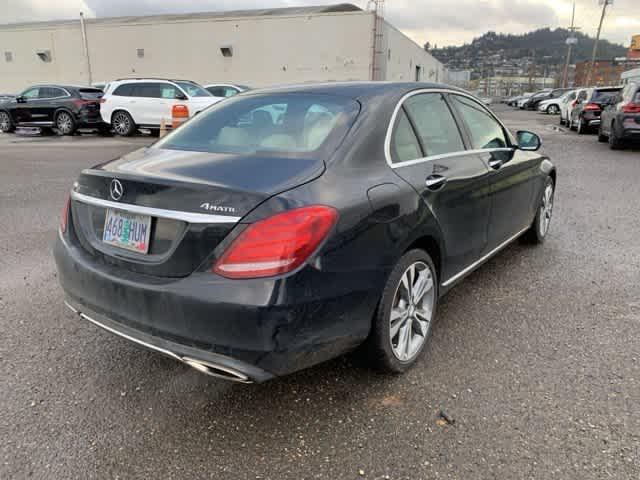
x,y
605,72
402,55
267,50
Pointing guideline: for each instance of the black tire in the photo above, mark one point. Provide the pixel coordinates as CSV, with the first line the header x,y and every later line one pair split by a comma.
x,y
536,234
602,138
6,123
571,125
104,130
561,120
553,110
581,128
123,124
379,348
615,143
64,123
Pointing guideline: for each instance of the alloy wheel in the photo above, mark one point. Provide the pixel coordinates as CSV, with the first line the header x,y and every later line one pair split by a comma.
x,y
553,110
64,123
5,122
412,311
546,210
121,124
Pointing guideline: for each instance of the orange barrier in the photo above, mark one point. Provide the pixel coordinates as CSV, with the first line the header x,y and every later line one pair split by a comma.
x,y
179,115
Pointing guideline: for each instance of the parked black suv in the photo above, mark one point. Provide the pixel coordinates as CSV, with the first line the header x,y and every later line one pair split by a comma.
x,y
620,119
585,116
63,107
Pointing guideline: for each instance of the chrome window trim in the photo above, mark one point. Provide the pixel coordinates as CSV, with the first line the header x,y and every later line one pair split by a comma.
x,y
154,212
482,259
406,163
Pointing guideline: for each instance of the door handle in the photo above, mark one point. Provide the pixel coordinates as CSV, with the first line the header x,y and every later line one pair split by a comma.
x,y
495,164
435,182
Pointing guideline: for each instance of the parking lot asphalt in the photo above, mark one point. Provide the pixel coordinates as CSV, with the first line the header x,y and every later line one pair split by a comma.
x,y
534,359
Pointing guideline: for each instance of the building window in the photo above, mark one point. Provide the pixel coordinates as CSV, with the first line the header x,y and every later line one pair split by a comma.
x,y
44,55
140,52
8,56
227,51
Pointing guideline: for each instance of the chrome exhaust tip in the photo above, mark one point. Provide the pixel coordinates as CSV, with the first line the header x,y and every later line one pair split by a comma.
x,y
217,371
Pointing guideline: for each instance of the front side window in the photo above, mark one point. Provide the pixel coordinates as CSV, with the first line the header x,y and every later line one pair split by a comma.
x,y
31,93
168,91
404,143
285,124
434,124
193,89
485,131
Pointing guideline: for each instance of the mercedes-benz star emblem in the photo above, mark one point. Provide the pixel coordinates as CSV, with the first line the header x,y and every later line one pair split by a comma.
x,y
116,189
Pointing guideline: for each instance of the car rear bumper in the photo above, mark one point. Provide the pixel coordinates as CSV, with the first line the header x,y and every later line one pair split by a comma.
x,y
257,329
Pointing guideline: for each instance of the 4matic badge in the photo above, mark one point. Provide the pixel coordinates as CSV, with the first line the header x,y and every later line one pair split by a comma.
x,y
217,208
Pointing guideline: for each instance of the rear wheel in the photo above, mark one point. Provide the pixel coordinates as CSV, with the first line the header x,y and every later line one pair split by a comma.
x,y
615,143
6,124
122,124
581,128
404,318
540,226
65,123
553,110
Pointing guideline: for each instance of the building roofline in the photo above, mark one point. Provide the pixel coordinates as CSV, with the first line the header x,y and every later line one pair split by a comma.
x,y
219,15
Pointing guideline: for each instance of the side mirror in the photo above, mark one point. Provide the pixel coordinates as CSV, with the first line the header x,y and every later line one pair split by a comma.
x,y
21,99
181,96
528,141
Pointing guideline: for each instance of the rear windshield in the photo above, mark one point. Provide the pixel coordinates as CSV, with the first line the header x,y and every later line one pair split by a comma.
x,y
193,90
90,93
602,96
289,124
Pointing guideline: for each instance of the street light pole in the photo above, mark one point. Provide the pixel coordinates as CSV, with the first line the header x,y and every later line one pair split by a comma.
x,y
605,4
571,41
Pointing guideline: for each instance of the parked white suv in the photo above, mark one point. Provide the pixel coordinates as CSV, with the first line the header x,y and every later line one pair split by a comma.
x,y
129,104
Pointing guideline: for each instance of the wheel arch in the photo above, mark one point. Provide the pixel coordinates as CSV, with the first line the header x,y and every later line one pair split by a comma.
x,y
120,109
429,244
63,109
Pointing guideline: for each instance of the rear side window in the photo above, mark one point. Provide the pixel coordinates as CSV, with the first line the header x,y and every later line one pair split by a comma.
x,y
147,90
288,124
404,143
485,130
434,124
50,92
90,93
124,90
603,96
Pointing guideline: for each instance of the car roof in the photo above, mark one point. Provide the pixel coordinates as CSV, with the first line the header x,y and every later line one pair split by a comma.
x,y
356,90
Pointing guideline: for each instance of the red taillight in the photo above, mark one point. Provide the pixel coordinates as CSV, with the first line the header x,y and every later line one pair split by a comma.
x,y
83,103
631,108
64,215
278,244
592,106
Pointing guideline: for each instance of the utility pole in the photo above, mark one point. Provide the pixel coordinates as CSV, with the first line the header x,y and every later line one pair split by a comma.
x,y
85,43
571,41
605,4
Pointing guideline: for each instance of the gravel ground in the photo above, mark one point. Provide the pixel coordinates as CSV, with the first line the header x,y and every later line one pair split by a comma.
x,y
534,361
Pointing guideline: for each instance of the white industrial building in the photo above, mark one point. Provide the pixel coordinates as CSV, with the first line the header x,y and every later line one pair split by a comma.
x,y
253,47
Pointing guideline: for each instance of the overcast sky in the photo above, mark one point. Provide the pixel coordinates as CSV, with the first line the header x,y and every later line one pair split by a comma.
x,y
442,22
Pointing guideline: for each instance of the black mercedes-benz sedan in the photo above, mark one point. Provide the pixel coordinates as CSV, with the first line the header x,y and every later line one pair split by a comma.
x,y
63,107
284,227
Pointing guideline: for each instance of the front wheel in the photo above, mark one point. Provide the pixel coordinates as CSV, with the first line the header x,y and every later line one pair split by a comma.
x,y
404,318
540,226
553,110
6,124
65,123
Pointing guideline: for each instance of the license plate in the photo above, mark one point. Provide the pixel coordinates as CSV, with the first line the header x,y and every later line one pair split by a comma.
x,y
126,230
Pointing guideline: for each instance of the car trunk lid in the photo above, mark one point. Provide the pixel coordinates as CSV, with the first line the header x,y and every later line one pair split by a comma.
x,y
193,200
